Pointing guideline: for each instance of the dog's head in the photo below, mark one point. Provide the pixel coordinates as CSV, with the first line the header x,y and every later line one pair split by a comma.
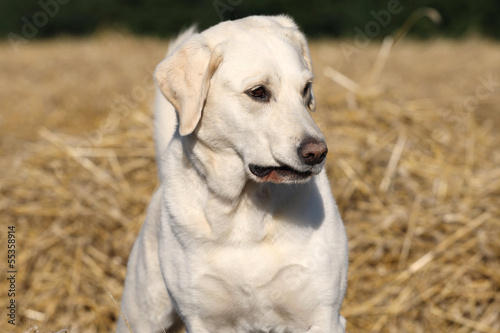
x,y
245,87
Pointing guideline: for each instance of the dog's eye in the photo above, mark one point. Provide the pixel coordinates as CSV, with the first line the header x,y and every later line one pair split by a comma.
x,y
259,93
306,90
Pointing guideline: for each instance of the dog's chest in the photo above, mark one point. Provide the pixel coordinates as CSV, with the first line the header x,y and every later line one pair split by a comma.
x,y
256,289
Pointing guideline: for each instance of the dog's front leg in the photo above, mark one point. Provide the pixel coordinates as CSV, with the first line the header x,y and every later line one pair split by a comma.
x,y
195,325
328,321
146,305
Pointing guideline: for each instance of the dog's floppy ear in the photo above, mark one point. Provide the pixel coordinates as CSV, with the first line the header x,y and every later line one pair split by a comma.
x,y
184,79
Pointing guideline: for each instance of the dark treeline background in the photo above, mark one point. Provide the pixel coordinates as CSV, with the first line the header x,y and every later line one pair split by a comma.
x,y
336,18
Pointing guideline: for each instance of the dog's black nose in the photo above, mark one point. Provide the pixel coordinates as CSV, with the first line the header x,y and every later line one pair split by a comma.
x,y
312,151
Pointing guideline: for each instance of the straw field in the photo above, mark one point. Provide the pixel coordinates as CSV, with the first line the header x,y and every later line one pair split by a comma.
x,y
414,164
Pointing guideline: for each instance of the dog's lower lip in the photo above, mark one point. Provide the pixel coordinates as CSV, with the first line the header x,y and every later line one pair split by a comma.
x,y
262,172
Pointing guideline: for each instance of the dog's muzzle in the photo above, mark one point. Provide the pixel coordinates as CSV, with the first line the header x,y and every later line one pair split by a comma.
x,y
311,152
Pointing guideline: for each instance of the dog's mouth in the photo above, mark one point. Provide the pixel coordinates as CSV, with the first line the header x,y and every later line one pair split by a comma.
x,y
278,174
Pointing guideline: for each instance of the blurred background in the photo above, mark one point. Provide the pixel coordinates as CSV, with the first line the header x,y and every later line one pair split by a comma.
x,y
318,18
408,96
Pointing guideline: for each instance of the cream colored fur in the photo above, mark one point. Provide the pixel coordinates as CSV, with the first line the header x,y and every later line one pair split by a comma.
x,y
221,249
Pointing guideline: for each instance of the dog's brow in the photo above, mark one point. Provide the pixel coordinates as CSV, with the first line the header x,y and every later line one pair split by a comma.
x,y
258,79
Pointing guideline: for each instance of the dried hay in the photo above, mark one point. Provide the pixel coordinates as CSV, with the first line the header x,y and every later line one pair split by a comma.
x,y
417,180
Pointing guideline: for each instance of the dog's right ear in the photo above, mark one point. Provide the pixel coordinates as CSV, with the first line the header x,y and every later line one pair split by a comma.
x,y
184,78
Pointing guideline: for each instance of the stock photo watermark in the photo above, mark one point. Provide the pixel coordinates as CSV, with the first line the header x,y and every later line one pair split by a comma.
x,y
32,25
224,6
122,106
483,91
382,19
11,273
371,29
457,115
487,86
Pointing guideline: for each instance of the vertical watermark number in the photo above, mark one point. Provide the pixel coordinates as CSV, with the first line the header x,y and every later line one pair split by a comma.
x,y
11,274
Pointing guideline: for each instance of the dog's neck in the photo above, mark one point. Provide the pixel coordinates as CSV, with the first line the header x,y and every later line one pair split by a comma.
x,y
222,195
224,176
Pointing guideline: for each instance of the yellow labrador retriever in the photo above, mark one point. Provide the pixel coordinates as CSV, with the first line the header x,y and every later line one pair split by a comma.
x,y
243,234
